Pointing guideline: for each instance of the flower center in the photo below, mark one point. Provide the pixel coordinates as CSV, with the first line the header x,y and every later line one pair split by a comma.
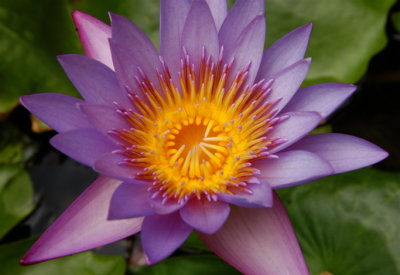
x,y
199,139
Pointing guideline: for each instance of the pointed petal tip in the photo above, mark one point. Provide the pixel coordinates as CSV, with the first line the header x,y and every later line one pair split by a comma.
x,y
307,28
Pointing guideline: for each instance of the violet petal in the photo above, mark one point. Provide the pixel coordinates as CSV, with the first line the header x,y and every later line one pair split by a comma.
x,y
261,196
95,81
130,200
200,31
322,98
293,168
56,110
83,226
296,126
205,216
162,235
173,15
284,52
83,145
259,241
343,152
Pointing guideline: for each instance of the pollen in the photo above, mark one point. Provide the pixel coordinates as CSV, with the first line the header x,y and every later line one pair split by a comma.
x,y
199,137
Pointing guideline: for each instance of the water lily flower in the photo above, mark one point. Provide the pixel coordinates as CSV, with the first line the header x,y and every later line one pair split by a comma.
x,y
194,137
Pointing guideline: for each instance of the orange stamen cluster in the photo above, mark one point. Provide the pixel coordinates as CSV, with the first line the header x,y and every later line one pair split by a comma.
x,y
200,137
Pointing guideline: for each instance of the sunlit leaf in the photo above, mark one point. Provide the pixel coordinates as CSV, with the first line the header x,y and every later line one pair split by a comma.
x,y
32,34
15,196
349,224
346,33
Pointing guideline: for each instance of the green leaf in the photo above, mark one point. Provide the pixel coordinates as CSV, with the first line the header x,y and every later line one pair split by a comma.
x,y
194,242
193,265
144,13
86,263
15,196
31,35
348,224
15,146
346,33
396,20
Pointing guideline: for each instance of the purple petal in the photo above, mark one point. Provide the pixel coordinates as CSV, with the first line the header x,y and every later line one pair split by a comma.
x,y
56,110
200,32
294,128
104,117
259,241
293,168
248,49
205,216
83,226
132,49
83,145
94,36
288,81
130,200
260,196
95,81
343,152
284,52
114,165
239,16
162,206
173,15
322,98
162,235
219,10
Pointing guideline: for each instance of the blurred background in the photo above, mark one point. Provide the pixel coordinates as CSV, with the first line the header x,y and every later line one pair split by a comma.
x,y
346,224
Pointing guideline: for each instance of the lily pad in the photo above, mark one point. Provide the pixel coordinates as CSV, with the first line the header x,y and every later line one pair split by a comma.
x,y
346,33
15,196
31,35
87,263
348,224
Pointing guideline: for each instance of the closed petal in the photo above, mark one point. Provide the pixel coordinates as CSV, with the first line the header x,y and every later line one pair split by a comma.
x,y
248,49
200,32
132,52
219,10
104,117
83,226
115,165
162,235
95,81
205,216
284,52
259,241
58,111
83,145
296,126
238,18
94,36
288,81
173,15
322,98
260,195
343,152
293,168
130,200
